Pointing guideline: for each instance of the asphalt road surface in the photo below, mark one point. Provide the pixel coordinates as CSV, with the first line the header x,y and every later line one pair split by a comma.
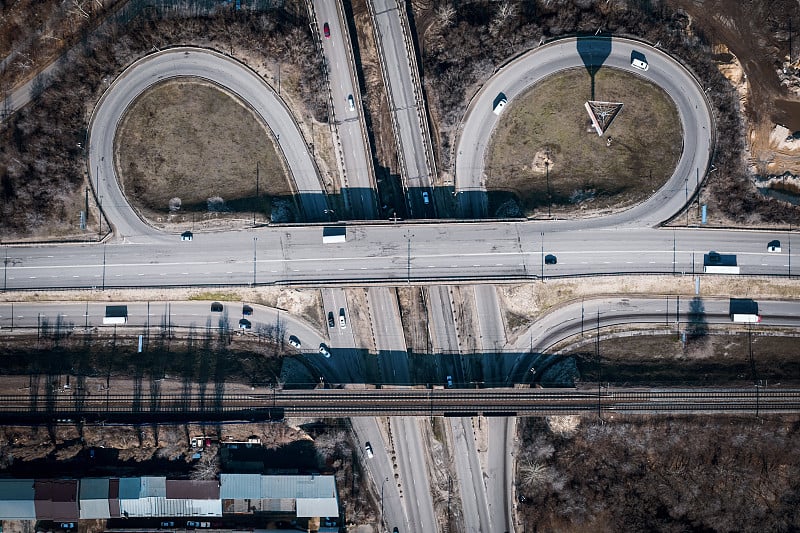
x,y
213,67
385,253
516,77
394,51
359,181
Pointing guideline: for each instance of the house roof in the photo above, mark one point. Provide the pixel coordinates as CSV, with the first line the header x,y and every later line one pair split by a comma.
x,y
191,489
56,499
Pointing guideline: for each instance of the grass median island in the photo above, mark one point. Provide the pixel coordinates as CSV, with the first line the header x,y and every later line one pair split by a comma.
x,y
548,128
192,141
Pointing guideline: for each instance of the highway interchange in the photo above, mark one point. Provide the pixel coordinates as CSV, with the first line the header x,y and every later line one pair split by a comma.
x,y
381,254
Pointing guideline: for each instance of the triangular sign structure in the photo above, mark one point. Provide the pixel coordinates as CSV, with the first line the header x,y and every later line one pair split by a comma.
x,y
602,113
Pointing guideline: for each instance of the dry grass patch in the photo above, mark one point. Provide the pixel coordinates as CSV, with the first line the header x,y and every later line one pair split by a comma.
x,y
548,126
191,140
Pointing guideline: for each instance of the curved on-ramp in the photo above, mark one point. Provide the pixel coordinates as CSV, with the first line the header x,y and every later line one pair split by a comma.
x,y
214,67
517,76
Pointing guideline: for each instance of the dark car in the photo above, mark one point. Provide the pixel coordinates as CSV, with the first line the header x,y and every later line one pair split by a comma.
x,y
331,323
247,310
216,307
167,524
326,30
550,259
245,324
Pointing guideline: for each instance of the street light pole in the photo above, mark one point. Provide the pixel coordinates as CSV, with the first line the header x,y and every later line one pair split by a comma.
x,y
542,233
255,240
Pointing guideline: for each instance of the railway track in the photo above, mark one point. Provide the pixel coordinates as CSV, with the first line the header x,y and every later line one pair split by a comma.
x,y
277,404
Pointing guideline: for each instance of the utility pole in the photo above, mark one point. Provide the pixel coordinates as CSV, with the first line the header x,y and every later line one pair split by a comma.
x,y
673,252
104,266
5,270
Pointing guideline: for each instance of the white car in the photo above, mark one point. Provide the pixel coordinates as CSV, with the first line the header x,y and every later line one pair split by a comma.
x,y
342,319
351,102
294,341
640,64
368,449
498,108
324,350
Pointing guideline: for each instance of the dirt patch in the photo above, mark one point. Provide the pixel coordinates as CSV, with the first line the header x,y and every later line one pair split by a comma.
x,y
414,315
465,315
545,150
190,146
358,306
378,113
445,490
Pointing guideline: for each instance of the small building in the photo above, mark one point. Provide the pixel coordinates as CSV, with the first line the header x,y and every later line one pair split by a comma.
x,y
305,496
17,499
56,499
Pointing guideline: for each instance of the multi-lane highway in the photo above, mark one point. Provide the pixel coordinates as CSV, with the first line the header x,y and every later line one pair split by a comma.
x,y
350,139
481,252
409,118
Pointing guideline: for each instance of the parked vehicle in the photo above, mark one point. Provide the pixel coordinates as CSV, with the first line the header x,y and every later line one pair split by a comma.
x,y
330,319
425,198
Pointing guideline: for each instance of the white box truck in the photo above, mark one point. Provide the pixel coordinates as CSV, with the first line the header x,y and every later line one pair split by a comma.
x,y
334,234
116,315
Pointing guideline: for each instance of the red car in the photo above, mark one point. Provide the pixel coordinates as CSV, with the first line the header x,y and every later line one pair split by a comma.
x,y
326,30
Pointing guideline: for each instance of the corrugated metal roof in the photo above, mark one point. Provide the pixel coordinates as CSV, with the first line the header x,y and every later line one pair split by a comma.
x,y
190,489
155,507
17,509
94,489
307,507
153,487
129,488
240,486
95,509
16,489
298,487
